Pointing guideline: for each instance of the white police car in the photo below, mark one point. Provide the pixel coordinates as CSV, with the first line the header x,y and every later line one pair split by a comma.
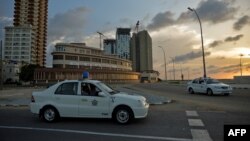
x,y
87,98
208,86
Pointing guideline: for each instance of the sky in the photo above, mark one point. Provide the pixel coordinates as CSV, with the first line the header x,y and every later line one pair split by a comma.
x,y
225,26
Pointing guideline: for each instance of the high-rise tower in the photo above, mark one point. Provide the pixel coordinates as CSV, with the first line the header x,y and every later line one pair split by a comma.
x,y
123,42
34,13
141,51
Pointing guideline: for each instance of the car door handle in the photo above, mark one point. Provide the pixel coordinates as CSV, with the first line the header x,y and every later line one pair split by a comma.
x,y
84,100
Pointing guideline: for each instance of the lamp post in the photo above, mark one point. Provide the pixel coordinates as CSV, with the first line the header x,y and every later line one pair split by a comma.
x,y
173,67
164,53
241,65
203,54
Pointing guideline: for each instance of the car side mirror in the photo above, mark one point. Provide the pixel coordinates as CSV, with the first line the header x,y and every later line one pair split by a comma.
x,y
101,94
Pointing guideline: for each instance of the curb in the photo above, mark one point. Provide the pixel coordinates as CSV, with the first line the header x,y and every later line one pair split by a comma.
x,y
241,88
13,105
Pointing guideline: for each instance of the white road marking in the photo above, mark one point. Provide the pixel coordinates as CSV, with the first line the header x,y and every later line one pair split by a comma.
x,y
200,135
195,122
192,113
97,133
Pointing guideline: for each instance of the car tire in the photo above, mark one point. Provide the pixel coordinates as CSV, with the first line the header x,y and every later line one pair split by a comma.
x,y
190,91
49,114
209,91
123,115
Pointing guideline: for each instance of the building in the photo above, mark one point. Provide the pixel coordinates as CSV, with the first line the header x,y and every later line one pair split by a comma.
x,y
34,13
141,51
19,45
123,42
71,59
110,46
149,76
78,55
11,70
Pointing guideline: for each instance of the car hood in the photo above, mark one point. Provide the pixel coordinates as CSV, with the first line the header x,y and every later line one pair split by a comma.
x,y
129,96
219,84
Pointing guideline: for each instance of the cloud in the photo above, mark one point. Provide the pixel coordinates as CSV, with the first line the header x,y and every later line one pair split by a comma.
x,y
235,38
66,27
241,22
215,43
190,56
161,20
216,11
70,24
211,11
4,21
226,69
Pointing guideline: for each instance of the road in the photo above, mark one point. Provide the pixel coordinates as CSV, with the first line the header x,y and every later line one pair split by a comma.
x,y
197,117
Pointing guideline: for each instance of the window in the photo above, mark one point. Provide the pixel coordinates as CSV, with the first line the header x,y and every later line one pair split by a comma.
x,y
58,57
88,89
69,88
96,60
71,57
84,59
196,81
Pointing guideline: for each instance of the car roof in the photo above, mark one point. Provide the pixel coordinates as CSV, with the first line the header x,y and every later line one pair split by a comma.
x,y
86,80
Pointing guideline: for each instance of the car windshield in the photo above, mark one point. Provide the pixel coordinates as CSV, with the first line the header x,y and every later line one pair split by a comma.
x,y
212,81
107,88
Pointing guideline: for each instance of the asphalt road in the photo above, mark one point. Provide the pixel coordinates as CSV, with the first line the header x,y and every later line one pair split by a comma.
x,y
164,122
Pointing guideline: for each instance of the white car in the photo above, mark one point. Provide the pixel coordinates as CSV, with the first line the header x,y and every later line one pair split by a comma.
x,y
87,98
209,86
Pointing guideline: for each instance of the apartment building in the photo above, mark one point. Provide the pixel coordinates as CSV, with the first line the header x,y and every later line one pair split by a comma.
x,y
34,13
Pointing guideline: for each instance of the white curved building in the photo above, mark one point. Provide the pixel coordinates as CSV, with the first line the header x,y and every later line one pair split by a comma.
x,y
70,60
78,55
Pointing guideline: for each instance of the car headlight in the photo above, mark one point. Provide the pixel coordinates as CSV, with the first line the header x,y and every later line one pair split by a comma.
x,y
142,103
217,87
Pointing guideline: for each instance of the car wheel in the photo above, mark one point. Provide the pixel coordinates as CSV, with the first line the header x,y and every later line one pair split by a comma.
x,y
191,91
50,114
123,115
209,91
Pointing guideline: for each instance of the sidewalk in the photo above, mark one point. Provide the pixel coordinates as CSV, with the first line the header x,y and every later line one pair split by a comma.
x,y
16,97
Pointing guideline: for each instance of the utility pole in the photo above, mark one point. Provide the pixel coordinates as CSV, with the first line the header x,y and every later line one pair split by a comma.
x,y
1,66
241,65
173,67
165,64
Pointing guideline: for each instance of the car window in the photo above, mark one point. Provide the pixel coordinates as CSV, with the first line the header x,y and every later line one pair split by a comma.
x,y
201,81
108,88
212,81
69,88
89,89
195,81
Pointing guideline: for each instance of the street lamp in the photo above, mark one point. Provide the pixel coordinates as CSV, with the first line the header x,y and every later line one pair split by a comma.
x,y
241,65
203,54
164,53
173,66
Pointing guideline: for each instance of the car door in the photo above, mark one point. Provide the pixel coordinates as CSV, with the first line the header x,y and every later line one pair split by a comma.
x,y
195,85
201,87
66,99
91,104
